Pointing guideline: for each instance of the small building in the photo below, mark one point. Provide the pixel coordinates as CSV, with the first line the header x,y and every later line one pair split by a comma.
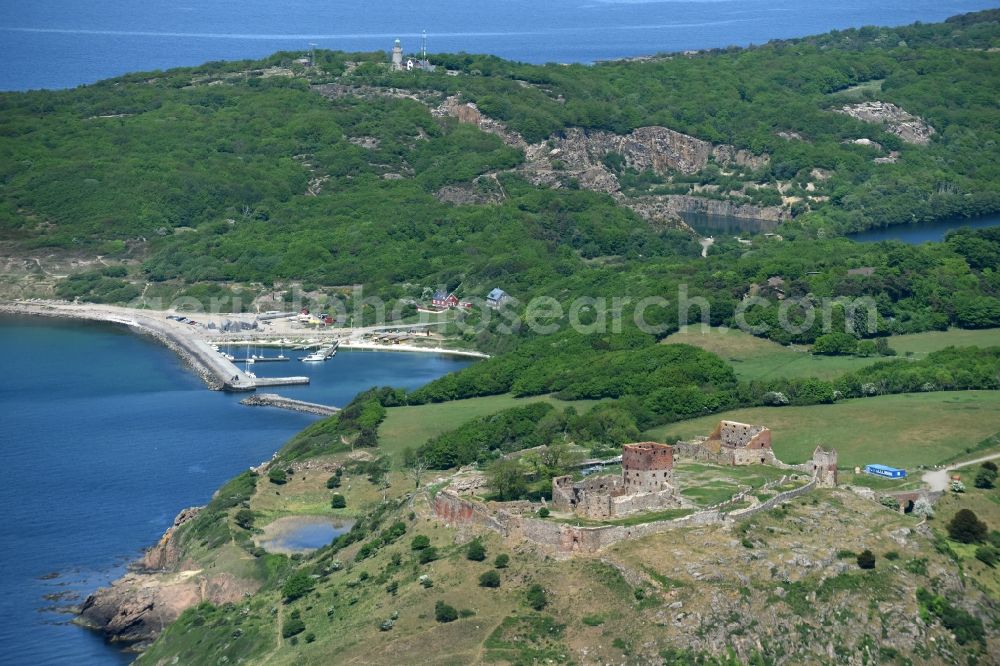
x,y
443,300
824,467
742,443
886,471
496,298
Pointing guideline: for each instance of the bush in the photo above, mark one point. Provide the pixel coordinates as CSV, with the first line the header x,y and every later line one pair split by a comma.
x,y
536,597
957,487
543,512
420,542
966,527
428,554
293,625
985,478
338,501
922,507
475,551
444,613
988,555
889,502
244,518
277,476
892,555
846,554
299,585
333,481
866,559
490,579
990,465
502,560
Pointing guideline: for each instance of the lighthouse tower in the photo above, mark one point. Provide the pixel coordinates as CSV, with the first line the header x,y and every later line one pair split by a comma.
x,y
397,57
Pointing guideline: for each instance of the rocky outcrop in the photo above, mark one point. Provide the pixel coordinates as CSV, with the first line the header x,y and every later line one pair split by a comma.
x,y
140,604
906,126
165,554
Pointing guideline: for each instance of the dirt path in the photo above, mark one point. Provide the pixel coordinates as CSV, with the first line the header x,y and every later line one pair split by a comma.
x,y
938,479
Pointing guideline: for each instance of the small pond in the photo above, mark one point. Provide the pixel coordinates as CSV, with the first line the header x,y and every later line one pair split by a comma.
x,y
301,534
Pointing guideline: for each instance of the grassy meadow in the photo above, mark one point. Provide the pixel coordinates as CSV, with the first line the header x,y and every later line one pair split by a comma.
x,y
414,425
759,358
900,430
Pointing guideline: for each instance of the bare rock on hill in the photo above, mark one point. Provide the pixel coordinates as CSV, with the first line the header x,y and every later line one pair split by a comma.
x,y
906,126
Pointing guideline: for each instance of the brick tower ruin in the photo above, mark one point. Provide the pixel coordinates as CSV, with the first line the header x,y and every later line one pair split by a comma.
x,y
647,467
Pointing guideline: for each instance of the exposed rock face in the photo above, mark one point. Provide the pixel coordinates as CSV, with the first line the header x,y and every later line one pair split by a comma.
x,y
905,125
140,604
483,190
164,555
659,209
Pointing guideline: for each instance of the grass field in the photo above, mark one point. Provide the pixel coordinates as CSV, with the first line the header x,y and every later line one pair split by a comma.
x,y
412,426
757,358
900,430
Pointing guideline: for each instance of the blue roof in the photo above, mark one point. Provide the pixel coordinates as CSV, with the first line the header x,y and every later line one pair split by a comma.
x,y
439,295
884,468
496,294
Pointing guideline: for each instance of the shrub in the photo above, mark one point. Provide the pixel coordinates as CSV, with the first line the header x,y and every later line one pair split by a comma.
x,y
338,501
866,559
747,543
889,501
892,555
444,613
593,620
985,478
428,554
964,625
543,512
310,637
966,527
536,597
775,399
244,518
987,554
990,465
502,560
420,542
300,584
475,551
957,487
490,579
846,554
277,476
333,482
293,625
922,507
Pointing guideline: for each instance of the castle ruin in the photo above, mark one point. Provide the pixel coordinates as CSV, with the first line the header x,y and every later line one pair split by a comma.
x,y
731,443
645,484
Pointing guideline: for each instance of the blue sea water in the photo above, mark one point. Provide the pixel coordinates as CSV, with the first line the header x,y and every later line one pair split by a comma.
x,y
104,437
64,43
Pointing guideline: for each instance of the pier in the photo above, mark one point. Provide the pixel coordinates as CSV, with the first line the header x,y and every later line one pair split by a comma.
x,y
280,401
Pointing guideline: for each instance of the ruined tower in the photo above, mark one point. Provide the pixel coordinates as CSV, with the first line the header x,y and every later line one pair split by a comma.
x,y
647,467
825,467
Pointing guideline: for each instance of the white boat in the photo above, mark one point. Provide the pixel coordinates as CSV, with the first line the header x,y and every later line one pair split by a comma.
x,y
315,357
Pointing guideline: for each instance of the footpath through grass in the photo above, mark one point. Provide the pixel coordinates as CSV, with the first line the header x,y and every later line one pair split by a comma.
x,y
899,430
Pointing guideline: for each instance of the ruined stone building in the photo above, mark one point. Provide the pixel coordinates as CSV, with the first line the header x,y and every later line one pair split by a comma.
x,y
731,443
824,467
646,484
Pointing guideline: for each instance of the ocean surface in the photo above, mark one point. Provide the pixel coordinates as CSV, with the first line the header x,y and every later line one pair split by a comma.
x,y
65,43
104,437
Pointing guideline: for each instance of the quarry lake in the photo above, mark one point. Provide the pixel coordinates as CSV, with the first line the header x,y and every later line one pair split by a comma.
x,y
104,437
